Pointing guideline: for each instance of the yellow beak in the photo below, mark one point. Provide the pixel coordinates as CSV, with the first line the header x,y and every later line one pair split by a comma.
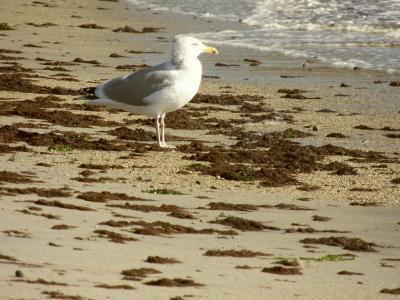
x,y
210,50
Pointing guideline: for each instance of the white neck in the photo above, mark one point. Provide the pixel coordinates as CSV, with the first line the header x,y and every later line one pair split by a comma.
x,y
186,62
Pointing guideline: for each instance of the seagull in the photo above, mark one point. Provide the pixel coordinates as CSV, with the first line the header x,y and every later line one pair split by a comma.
x,y
160,89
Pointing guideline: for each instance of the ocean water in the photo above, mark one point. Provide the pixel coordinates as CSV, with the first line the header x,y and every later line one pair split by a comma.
x,y
342,33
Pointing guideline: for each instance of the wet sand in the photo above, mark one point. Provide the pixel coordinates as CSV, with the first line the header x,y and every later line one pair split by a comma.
x,y
284,184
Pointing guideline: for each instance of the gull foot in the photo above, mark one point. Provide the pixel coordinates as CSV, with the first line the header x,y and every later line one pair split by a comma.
x,y
167,146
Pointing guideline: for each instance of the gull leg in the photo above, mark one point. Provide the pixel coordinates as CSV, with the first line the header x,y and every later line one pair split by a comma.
x,y
158,131
162,129
163,144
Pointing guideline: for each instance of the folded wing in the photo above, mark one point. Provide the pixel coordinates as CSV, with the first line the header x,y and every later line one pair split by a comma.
x,y
132,89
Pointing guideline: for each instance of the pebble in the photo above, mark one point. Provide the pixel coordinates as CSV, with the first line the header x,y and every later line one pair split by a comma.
x,y
19,273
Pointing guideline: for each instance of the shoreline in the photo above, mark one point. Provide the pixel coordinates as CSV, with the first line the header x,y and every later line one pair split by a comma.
x,y
279,56
87,198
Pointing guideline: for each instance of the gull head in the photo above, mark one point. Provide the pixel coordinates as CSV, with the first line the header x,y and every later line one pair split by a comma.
x,y
186,47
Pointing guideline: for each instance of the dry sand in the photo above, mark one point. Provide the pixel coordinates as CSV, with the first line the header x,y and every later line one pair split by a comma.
x,y
59,192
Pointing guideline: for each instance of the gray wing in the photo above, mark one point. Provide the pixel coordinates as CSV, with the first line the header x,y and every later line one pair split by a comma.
x,y
133,88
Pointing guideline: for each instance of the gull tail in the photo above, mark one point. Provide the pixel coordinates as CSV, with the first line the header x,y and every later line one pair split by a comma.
x,y
95,96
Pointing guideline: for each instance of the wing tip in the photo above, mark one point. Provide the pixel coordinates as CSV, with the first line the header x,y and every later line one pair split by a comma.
x,y
99,92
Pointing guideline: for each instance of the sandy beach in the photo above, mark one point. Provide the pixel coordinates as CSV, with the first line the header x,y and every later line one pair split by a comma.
x,y
284,183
